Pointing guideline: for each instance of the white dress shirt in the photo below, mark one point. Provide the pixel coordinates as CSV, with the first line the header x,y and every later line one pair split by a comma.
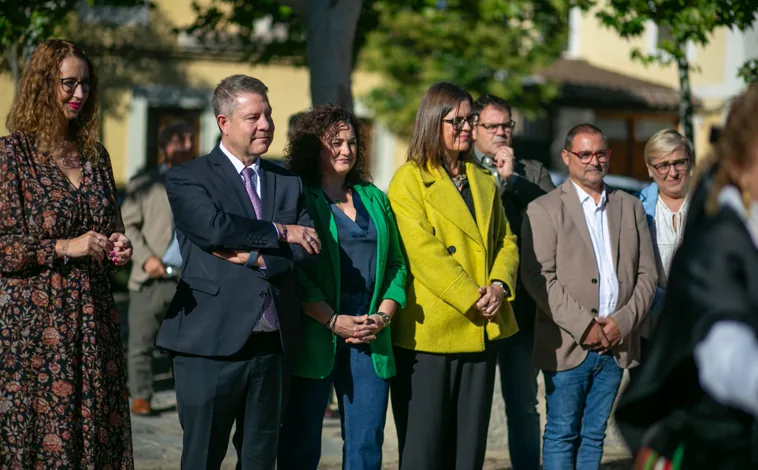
x,y
597,224
239,166
262,325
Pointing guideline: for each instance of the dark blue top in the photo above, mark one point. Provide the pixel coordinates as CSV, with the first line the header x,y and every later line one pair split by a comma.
x,y
357,242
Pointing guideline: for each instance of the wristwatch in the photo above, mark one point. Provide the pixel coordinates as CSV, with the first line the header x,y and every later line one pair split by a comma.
x,y
385,318
506,292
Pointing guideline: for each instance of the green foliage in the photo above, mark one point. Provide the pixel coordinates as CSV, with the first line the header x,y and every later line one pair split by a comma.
x,y
26,23
492,46
485,45
234,22
749,71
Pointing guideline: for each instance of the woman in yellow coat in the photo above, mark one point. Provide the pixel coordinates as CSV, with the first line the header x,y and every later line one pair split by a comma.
x,y
462,261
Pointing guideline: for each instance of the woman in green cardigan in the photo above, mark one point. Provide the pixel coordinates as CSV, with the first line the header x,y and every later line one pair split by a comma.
x,y
349,296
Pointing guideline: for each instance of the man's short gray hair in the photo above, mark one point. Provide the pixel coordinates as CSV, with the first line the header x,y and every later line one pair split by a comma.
x,y
225,95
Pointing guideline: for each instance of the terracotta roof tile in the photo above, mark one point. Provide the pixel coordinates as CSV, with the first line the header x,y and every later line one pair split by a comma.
x,y
589,85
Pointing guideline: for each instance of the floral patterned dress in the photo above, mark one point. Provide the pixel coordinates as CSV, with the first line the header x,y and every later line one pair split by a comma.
x,y
63,395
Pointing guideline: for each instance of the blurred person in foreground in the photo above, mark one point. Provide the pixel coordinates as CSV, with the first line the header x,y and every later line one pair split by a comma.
x,y
156,261
669,159
521,181
588,262
349,296
462,262
63,396
694,403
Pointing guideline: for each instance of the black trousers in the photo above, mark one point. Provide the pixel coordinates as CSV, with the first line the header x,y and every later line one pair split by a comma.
x,y
215,393
442,404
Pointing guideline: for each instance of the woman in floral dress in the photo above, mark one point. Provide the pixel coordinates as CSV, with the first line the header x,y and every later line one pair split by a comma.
x,y
63,395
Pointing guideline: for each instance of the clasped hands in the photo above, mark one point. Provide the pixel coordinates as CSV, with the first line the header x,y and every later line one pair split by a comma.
x,y
490,300
117,247
602,335
360,329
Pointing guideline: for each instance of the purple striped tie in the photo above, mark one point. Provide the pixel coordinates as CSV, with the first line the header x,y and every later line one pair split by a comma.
x,y
269,312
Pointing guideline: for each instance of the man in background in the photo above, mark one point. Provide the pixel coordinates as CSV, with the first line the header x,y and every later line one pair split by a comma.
x,y
521,181
156,261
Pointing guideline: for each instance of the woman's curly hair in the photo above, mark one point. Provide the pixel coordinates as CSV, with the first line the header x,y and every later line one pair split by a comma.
x,y
36,111
307,129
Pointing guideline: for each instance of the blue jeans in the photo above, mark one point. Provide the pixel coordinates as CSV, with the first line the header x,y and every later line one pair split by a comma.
x,y
362,397
579,403
518,382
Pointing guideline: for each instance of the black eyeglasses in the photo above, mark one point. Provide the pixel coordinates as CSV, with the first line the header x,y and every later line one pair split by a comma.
x,y
586,156
492,128
459,122
70,84
680,166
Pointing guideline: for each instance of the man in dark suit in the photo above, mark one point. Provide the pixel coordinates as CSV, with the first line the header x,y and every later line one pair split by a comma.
x,y
521,181
235,319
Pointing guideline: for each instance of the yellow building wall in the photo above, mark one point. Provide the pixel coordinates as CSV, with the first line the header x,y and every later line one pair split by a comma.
x,y
6,99
603,47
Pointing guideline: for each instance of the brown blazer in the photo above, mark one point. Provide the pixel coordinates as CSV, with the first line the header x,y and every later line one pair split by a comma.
x,y
148,221
559,270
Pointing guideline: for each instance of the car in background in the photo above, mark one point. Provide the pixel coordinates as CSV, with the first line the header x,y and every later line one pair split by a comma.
x,y
624,183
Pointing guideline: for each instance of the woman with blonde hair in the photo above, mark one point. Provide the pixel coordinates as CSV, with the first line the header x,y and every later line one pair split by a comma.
x,y
694,403
462,263
669,159
63,397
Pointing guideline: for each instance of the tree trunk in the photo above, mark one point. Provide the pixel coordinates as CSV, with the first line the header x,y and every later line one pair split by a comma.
x,y
331,28
685,96
331,33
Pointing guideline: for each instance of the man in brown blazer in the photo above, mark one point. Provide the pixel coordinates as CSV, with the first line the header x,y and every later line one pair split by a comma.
x,y
156,260
521,181
588,262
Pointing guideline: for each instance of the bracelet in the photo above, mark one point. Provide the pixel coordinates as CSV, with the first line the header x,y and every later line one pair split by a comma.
x,y
66,258
332,321
283,234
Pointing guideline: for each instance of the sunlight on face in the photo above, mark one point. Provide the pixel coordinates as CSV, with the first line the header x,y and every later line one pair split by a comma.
x,y
339,150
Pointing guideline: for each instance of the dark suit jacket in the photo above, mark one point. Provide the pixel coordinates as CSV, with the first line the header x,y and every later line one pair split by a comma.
x,y
218,303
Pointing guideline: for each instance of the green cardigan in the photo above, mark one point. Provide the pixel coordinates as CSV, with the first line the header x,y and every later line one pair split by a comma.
x,y
321,281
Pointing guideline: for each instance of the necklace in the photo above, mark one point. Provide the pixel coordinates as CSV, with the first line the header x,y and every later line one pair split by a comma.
x,y
69,162
459,179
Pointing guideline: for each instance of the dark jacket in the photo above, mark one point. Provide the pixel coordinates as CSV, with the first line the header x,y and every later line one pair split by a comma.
x,y
533,181
713,277
218,303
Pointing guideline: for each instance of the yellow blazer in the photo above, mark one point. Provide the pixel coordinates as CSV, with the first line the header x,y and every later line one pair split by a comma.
x,y
449,257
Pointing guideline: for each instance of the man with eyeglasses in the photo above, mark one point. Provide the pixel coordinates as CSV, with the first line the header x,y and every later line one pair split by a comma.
x,y
588,262
521,181
668,156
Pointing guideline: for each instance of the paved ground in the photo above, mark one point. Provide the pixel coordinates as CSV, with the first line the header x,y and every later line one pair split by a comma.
x,y
158,444
157,441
